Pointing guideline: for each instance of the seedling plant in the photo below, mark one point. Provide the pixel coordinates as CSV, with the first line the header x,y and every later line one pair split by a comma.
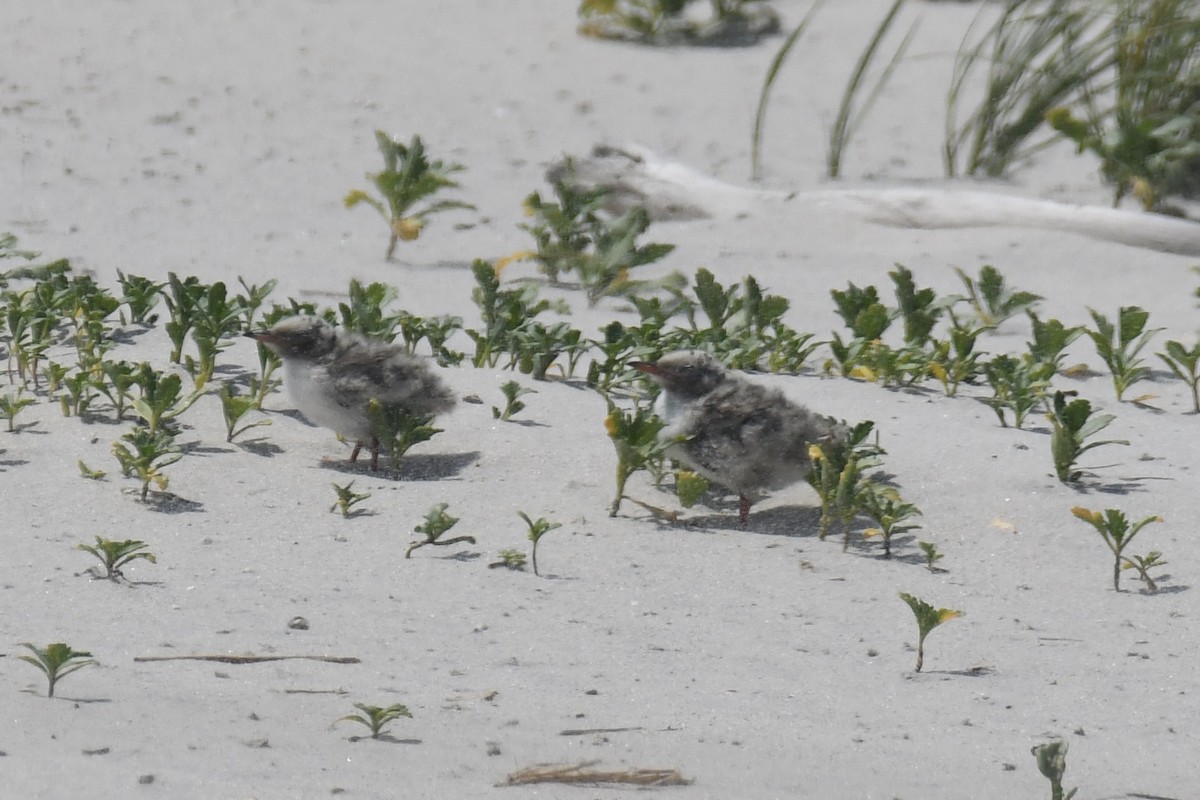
x,y
114,555
928,618
408,179
1072,425
13,404
1119,345
509,559
234,407
1185,364
377,718
397,430
537,530
634,434
347,499
56,661
932,555
1113,526
1052,763
890,512
144,454
437,522
512,391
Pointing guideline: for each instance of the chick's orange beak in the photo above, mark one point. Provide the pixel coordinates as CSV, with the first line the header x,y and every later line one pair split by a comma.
x,y
648,367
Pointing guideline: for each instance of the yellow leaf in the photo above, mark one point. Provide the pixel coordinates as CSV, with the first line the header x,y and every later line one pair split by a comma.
x,y
1079,370
866,373
869,532
938,371
408,228
948,613
1087,515
610,423
520,255
354,198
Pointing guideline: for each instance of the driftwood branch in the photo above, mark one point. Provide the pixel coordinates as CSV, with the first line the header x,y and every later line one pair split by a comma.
x,y
580,774
252,659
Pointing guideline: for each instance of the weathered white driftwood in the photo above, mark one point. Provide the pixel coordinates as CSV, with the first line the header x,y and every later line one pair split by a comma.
x,y
673,191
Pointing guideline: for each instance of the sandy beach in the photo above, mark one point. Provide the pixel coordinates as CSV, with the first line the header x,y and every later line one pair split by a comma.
x,y
219,140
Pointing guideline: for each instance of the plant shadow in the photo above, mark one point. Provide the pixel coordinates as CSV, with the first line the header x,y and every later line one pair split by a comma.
x,y
419,467
167,503
260,447
385,737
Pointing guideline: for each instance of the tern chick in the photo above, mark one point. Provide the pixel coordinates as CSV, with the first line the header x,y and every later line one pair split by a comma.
x,y
742,435
333,374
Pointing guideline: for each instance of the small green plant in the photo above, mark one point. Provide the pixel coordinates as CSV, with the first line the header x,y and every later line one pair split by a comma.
x,y
11,405
928,618
1143,565
616,253
56,661
512,390
1073,424
145,454
1185,364
407,180
1018,386
991,299
563,231
509,559
537,530
1118,345
234,406
1050,341
634,434
140,296
398,430
116,382
89,473
690,487
376,718
837,476
161,397
437,522
887,508
1052,763
932,555
1113,526
347,498
114,555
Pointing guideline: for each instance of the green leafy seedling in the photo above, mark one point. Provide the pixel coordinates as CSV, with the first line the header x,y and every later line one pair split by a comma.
x,y
376,718
234,407
437,522
932,555
991,299
509,559
1052,763
56,661
890,512
347,498
145,454
140,296
1072,425
634,434
1019,384
89,473
1119,345
398,430
1143,565
162,398
537,530
408,178
928,618
1185,364
512,390
690,487
11,405
114,555
1113,526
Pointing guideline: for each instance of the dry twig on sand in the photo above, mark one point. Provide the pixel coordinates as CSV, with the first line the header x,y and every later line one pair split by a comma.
x,y
579,773
252,659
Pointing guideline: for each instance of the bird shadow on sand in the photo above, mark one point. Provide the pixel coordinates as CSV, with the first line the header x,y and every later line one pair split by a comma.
x,y
261,447
792,521
418,467
167,503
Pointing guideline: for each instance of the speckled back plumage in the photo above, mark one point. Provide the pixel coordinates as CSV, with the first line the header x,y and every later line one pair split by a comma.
x,y
740,434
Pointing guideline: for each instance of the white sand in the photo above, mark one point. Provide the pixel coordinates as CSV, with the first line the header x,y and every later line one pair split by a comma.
x,y
219,139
